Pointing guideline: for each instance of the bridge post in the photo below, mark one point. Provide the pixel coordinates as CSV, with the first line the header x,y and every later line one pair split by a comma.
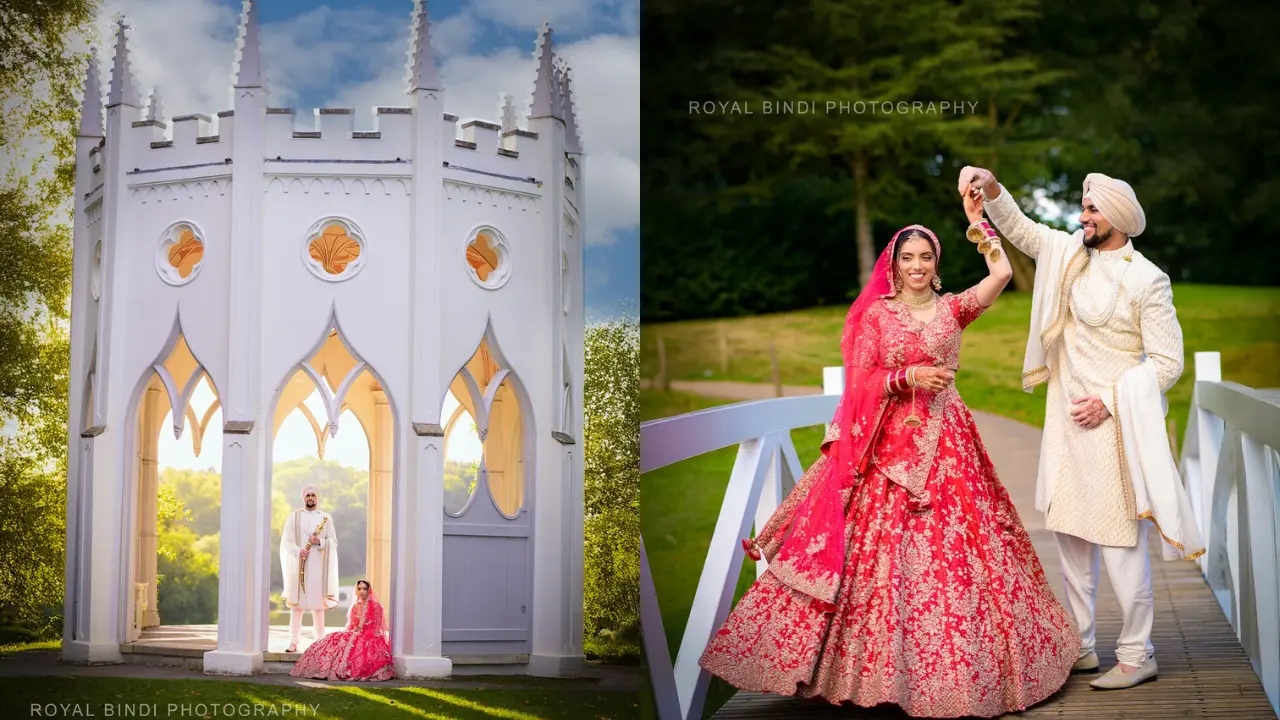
x,y
1208,368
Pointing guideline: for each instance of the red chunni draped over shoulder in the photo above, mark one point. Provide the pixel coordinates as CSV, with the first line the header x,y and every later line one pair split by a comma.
x,y
805,540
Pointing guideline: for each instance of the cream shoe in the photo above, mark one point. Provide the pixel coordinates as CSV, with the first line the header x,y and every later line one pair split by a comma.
x,y
1118,679
1086,664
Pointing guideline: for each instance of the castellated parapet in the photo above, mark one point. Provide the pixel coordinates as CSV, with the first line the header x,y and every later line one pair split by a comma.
x,y
425,275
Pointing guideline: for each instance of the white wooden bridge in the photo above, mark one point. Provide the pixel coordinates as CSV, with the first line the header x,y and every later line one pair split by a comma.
x,y
1217,629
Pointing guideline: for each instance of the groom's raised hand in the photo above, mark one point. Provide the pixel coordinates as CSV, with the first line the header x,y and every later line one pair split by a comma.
x,y
1089,412
981,178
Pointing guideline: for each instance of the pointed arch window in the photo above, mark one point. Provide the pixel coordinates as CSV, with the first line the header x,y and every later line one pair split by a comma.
x,y
484,437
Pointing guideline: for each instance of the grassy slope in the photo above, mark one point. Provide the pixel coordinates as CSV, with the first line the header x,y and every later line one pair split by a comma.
x,y
680,502
1241,323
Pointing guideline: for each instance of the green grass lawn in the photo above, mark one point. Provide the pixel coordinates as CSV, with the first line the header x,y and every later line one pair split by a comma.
x,y
681,502
1241,323
106,697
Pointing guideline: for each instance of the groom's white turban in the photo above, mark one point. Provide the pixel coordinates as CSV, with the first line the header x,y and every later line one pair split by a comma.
x,y
1117,203
309,488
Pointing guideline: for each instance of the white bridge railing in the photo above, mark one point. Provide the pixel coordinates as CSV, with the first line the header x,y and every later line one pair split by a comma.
x,y
1229,463
766,469
1232,472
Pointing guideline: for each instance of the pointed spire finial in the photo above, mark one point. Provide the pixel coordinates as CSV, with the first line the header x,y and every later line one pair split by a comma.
x,y
423,74
123,90
572,142
91,106
507,114
248,50
155,110
557,87
544,83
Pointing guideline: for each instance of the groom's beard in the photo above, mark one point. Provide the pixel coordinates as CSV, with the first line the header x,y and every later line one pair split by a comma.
x,y
1097,239
311,505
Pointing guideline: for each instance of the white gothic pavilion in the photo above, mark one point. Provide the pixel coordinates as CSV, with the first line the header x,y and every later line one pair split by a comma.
x,y
407,276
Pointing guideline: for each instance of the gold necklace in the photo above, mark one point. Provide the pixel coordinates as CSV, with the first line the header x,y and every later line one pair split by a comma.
x,y
918,302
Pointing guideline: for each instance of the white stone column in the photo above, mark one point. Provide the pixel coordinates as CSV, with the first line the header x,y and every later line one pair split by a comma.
x,y
83,328
553,654
243,591
244,551
148,487
378,534
420,515
106,545
423,523
100,569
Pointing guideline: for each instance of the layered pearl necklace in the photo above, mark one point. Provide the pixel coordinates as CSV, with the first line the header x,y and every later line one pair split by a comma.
x,y
1086,313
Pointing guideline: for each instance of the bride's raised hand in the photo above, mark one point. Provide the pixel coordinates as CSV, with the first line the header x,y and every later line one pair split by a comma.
x,y
972,204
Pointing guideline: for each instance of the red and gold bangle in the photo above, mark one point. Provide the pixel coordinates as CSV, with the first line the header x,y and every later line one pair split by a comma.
x,y
980,231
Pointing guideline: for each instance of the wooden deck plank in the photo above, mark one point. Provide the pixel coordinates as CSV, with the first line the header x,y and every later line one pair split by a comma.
x,y
1204,673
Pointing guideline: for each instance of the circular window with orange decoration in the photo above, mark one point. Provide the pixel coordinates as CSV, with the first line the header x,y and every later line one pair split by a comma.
x,y
334,250
180,254
488,258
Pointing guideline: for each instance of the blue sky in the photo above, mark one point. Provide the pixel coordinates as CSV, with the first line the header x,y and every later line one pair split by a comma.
x,y
352,54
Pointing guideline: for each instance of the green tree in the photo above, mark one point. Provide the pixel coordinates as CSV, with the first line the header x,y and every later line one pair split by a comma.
x,y
187,566
855,61
1178,99
611,488
39,80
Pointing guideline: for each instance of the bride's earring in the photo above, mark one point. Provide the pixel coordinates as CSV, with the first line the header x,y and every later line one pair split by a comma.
x,y
897,282
937,282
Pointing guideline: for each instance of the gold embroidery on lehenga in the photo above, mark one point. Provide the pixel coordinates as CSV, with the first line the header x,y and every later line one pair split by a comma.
x,y
946,613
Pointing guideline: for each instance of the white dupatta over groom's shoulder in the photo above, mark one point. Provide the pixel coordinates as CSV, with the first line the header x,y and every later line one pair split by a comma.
x,y
1157,486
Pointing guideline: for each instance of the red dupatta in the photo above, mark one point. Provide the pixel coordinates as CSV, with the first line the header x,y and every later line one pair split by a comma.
x,y
805,542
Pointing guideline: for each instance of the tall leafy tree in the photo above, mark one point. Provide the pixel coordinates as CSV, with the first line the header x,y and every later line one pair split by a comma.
x,y
1178,99
877,75
39,81
611,489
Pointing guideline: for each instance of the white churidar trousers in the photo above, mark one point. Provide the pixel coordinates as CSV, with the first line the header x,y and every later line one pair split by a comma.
x,y
295,624
1129,569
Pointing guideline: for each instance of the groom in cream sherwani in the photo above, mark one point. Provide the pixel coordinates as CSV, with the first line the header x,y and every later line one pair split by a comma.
x,y
309,564
1106,339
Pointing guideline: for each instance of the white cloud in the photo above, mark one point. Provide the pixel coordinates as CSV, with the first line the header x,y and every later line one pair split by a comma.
x,y
567,16
455,34
606,87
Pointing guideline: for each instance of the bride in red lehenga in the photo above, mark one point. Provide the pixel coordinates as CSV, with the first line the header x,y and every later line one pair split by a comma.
x,y
899,571
360,652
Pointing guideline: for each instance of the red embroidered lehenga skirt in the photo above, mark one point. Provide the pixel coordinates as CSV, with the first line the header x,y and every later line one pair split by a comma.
x,y
945,612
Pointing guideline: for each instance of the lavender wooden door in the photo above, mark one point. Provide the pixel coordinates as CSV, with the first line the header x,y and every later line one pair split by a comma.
x,y
488,559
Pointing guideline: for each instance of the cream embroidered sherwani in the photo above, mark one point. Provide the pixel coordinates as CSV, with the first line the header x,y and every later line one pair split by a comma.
x,y
321,591
1120,310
